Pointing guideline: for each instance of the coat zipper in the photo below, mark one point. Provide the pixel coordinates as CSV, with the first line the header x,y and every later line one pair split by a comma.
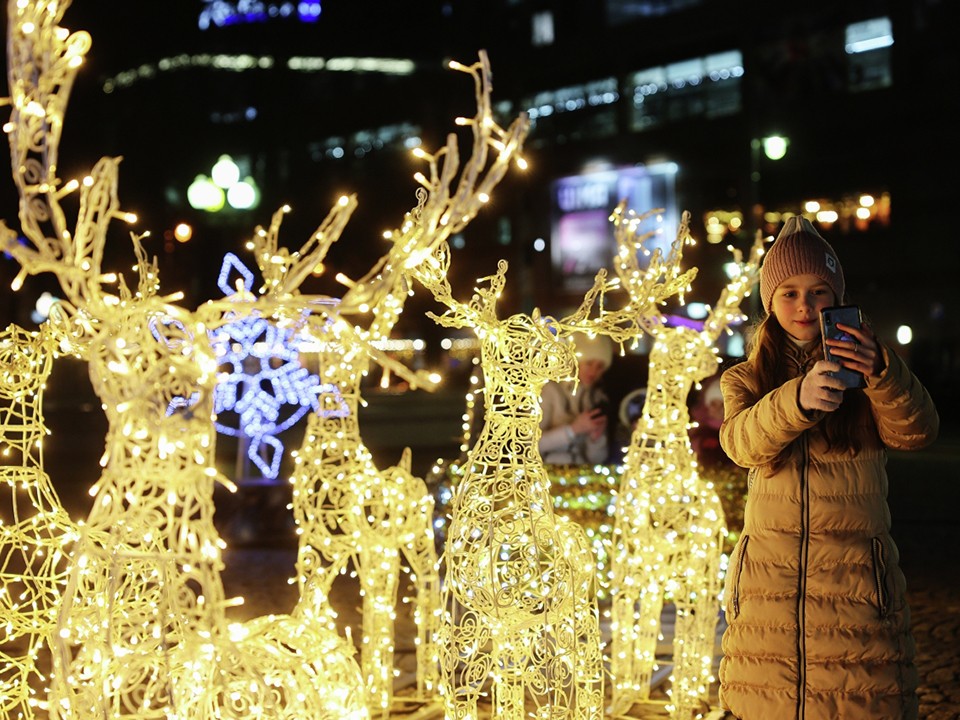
x,y
739,569
802,580
880,577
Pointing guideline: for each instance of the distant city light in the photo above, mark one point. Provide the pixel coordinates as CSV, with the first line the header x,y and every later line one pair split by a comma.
x,y
225,172
736,345
203,194
220,13
696,310
243,195
41,310
183,232
208,193
775,147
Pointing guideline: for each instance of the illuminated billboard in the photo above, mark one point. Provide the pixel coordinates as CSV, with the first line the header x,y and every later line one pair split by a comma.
x,y
582,241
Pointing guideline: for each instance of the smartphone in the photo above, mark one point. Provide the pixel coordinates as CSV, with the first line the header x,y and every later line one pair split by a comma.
x,y
829,318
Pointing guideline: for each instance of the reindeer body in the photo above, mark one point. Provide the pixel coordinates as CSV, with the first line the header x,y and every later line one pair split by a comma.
x,y
669,523
349,512
36,533
143,631
519,593
668,535
138,594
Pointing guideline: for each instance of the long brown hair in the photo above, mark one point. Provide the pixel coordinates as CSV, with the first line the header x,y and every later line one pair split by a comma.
x,y
770,370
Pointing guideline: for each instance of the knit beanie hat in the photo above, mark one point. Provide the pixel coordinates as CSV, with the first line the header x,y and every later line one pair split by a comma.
x,y
599,347
799,250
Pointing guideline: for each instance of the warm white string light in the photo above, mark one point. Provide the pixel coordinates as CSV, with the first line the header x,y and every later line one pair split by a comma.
x,y
348,512
520,620
36,533
142,630
669,524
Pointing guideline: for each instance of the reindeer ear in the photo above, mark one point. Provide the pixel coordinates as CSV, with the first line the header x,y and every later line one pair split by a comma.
x,y
551,323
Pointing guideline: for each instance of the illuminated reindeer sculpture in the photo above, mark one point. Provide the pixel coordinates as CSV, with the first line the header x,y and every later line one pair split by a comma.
x,y
347,510
36,533
142,629
669,523
520,608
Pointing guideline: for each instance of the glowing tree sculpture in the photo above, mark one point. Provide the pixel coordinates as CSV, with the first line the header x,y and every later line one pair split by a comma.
x,y
142,630
35,531
669,523
347,510
520,609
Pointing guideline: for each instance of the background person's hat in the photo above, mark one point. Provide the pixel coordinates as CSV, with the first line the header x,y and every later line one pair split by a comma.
x,y
799,250
599,347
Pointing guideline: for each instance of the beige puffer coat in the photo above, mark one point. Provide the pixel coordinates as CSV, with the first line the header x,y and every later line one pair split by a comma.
x,y
815,601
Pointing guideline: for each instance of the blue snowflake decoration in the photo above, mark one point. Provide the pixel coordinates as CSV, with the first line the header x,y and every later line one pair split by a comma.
x,y
259,376
260,379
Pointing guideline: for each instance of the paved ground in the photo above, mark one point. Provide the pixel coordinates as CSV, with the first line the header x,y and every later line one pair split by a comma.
x,y
260,563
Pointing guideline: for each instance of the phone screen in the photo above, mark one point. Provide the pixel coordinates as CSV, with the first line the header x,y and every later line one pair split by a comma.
x,y
829,319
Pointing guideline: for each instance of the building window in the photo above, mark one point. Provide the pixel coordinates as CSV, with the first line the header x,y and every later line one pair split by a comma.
x,y
868,48
706,86
623,11
575,111
541,29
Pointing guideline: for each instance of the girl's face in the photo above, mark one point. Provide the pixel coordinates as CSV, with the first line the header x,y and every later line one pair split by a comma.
x,y
797,303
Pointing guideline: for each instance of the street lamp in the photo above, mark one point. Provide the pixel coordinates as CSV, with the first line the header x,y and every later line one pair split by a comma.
x,y
774,147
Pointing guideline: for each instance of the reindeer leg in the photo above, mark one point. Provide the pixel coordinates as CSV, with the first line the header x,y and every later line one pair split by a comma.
x,y
695,638
512,662
379,579
421,555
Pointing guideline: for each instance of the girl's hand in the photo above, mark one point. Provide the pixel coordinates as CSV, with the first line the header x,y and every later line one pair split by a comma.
x,y
861,354
820,389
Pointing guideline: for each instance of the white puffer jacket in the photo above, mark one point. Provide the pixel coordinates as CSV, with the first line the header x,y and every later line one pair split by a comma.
x,y
560,407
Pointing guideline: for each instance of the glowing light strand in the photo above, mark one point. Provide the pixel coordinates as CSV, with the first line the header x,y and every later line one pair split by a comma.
x,y
142,630
347,510
520,618
36,533
669,524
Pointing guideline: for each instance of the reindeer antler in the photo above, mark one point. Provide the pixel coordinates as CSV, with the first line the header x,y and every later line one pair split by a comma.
x,y
440,213
727,309
647,289
481,310
43,63
283,272
662,277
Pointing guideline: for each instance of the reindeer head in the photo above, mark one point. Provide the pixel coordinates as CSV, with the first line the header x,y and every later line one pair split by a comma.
x,y
529,350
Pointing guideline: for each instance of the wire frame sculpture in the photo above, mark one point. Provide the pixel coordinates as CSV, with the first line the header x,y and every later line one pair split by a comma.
x,y
36,533
520,619
669,525
349,513
142,630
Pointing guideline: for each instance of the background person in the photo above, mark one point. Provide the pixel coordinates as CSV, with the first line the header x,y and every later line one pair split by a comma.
x,y
575,426
815,601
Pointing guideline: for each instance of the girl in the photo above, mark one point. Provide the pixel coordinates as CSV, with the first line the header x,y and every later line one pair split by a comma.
x,y
818,626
